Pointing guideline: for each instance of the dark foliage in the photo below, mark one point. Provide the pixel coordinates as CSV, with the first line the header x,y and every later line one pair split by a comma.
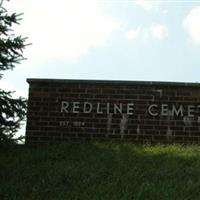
x,y
12,110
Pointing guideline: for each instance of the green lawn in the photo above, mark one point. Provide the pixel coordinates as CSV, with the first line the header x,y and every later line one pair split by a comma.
x,y
100,171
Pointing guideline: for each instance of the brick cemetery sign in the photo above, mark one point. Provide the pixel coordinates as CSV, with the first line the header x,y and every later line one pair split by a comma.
x,y
83,110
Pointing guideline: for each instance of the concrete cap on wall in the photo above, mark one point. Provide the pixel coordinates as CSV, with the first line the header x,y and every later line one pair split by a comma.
x,y
35,80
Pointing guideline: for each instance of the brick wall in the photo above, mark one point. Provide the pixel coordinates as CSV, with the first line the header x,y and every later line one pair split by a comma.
x,y
140,112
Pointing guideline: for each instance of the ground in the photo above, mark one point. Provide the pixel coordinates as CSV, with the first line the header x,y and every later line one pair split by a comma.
x,y
104,171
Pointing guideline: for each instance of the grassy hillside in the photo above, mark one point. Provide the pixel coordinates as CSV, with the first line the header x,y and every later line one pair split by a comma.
x,y
100,171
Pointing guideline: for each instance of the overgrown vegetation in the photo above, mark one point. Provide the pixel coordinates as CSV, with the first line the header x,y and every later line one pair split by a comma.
x,y
100,171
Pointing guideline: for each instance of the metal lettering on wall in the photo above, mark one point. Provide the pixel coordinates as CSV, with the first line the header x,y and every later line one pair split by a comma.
x,y
153,109
126,110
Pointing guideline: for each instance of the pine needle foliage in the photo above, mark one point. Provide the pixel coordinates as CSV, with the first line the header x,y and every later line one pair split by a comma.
x,y
12,110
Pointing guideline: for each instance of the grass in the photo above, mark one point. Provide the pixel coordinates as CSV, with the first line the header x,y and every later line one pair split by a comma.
x,y
100,171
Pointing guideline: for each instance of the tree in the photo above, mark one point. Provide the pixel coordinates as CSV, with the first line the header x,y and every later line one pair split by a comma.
x,y
12,110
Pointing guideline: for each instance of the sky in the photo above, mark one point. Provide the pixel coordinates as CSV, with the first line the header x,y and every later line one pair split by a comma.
x,y
107,40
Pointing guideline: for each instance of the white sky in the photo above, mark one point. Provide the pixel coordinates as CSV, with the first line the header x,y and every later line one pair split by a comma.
x,y
107,39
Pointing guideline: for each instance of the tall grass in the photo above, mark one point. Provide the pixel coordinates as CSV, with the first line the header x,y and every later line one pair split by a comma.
x,y
104,171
